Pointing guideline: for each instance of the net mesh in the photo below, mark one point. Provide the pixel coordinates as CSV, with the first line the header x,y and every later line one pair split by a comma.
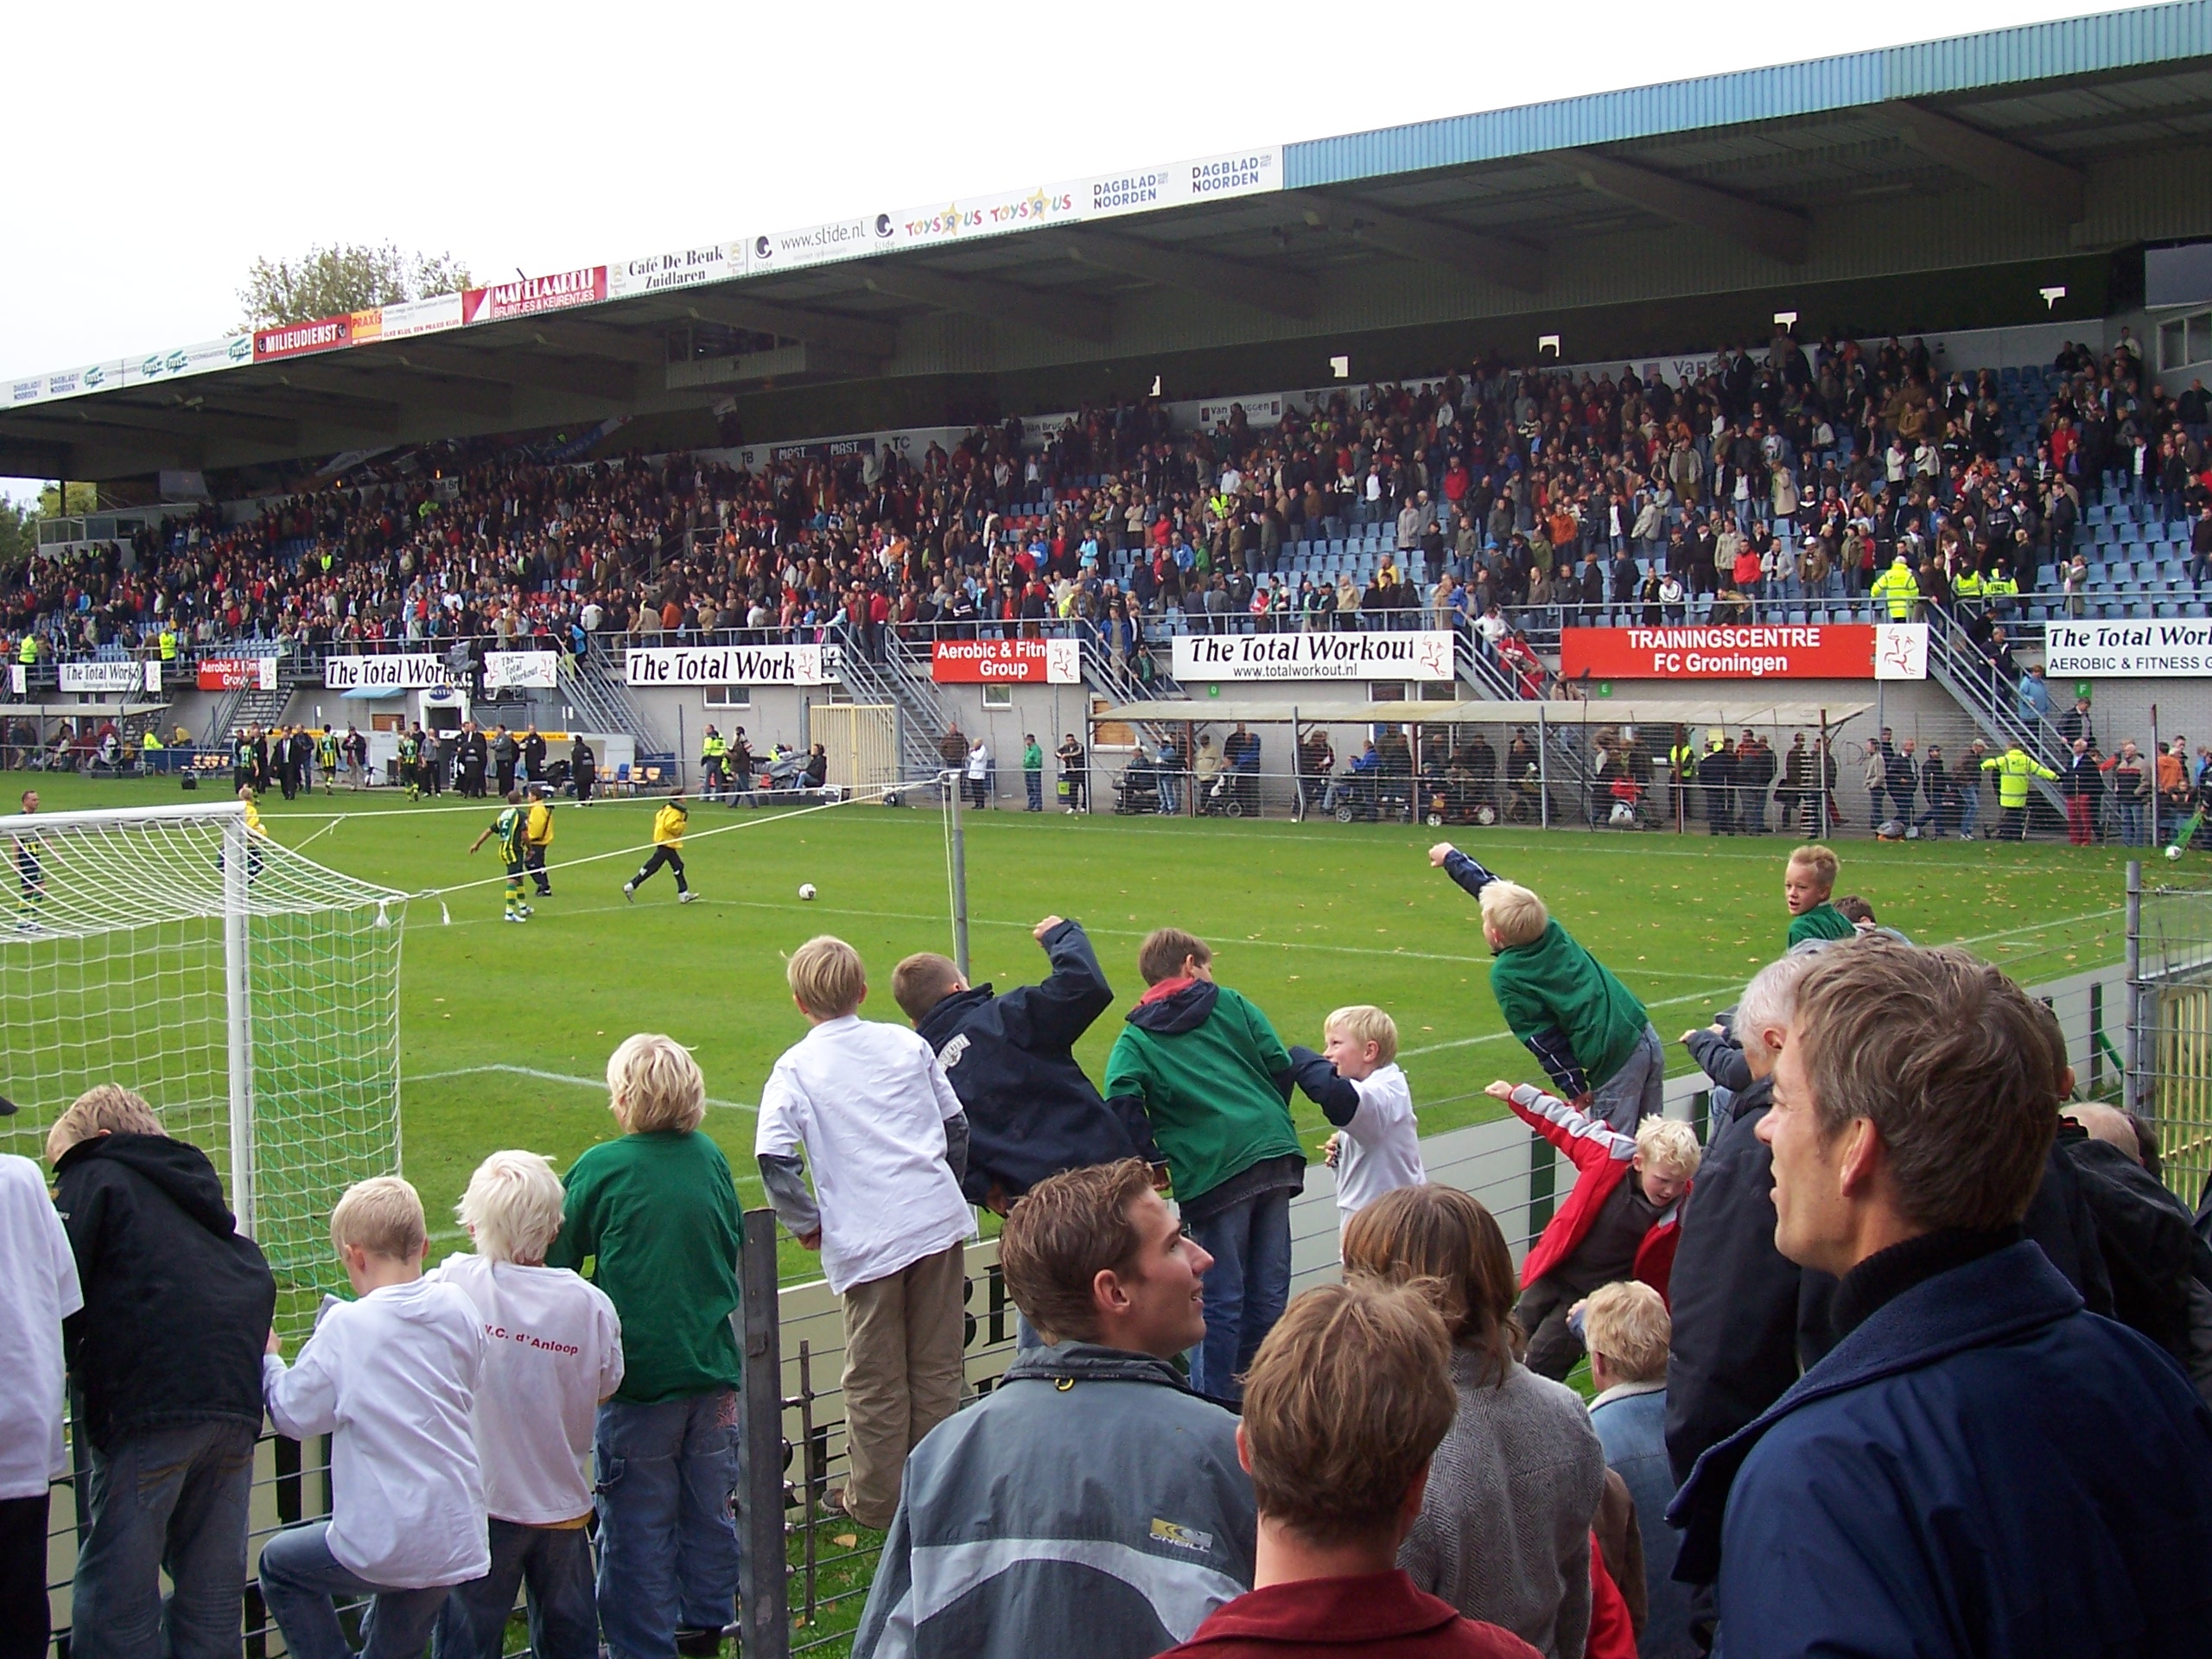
x,y
116,957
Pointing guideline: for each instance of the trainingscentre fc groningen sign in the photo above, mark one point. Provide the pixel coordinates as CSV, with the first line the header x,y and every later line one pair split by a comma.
x,y
1425,655
2127,651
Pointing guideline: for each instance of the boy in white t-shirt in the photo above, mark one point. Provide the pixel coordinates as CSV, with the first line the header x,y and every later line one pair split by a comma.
x,y
870,1108
391,1378
1357,1083
555,1353
38,1290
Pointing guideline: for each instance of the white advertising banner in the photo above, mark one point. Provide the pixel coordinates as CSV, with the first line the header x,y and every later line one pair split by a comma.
x,y
1074,201
685,268
2128,650
416,670
1900,651
681,665
1425,655
111,676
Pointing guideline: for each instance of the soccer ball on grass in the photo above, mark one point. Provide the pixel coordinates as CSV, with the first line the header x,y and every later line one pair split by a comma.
x,y
2173,852
806,889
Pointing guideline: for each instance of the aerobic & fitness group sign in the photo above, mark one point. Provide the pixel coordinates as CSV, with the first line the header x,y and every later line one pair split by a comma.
x,y
2127,651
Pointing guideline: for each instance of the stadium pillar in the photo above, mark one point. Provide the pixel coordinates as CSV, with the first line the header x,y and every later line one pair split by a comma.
x,y
2131,1084
958,852
763,1615
238,1015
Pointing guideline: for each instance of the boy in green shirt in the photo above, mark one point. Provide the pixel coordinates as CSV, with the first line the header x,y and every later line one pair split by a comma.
x,y
656,1213
1587,1029
1200,1071
1807,882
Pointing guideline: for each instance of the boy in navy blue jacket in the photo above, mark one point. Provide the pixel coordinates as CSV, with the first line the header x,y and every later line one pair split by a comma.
x,y
1032,1111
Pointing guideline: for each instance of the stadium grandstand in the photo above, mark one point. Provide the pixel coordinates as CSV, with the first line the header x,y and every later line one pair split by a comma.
x,y
1714,352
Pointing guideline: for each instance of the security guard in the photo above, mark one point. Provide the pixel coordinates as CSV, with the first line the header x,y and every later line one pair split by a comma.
x,y
2014,769
1966,588
1681,759
169,643
27,653
2002,590
1899,589
537,836
714,762
151,748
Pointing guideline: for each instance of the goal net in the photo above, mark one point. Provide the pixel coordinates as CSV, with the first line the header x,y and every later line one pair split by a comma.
x,y
248,994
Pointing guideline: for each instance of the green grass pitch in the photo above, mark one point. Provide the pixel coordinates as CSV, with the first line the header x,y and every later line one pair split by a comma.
x,y
505,1029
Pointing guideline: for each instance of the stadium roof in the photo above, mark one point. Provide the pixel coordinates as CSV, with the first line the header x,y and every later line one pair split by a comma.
x,y
2040,143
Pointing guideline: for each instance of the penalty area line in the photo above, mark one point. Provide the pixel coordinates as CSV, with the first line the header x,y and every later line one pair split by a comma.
x,y
532,1072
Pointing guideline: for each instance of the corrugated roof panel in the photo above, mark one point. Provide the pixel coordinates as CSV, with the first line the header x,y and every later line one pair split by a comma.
x,y
2034,51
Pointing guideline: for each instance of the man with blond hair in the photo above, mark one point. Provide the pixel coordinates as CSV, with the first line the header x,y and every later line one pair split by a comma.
x,y
1105,1495
655,1213
167,1354
1346,1402
1934,1484
868,1107
1586,1028
556,1353
390,1377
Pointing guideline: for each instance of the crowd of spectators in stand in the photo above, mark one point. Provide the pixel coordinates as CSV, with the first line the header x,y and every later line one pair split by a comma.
x,y
1508,495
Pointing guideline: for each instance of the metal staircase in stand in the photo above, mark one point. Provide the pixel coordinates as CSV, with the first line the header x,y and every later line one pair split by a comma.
x,y
1566,765
1994,708
918,723
247,706
598,695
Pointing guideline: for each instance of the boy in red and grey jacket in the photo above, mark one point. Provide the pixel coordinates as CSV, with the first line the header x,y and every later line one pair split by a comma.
x,y
1620,1221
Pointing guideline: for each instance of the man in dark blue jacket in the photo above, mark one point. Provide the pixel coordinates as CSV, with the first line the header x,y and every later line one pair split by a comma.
x,y
1031,1112
1979,1466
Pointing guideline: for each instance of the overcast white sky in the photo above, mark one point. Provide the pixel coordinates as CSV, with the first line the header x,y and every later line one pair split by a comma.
x,y
158,149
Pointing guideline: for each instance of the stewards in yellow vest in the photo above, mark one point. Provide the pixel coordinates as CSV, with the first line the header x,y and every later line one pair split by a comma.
x,y
2014,768
1899,588
1966,585
27,653
169,645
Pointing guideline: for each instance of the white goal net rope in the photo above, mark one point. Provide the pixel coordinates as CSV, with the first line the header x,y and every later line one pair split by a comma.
x,y
248,994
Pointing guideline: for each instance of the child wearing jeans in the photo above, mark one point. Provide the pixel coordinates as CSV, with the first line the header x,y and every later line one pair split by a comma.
x,y
655,1213
556,1351
1356,1082
391,1378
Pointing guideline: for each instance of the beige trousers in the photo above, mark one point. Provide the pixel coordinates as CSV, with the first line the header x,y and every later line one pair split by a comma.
x,y
903,1336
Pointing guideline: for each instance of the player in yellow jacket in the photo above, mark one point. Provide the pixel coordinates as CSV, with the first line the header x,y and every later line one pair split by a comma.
x,y
669,825
537,837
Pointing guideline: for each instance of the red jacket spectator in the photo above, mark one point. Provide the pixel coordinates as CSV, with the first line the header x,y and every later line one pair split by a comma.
x,y
1602,1158
1376,1616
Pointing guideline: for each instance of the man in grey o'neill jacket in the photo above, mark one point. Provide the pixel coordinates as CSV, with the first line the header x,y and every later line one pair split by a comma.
x,y
1090,1499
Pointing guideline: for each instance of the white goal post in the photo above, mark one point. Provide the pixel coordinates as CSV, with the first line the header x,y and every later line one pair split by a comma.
x,y
250,995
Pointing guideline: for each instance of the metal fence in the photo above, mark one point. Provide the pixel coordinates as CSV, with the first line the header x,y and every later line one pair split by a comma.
x,y
2169,1080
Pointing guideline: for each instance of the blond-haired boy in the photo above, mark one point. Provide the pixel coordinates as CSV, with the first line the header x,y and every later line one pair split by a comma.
x,y
391,1378
1356,1082
868,1106
1806,881
555,1352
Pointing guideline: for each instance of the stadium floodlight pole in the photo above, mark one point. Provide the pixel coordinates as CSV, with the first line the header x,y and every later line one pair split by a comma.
x,y
959,856
239,1014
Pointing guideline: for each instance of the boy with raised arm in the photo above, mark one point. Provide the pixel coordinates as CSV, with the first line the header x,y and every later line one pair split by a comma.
x,y
391,1378
1585,1027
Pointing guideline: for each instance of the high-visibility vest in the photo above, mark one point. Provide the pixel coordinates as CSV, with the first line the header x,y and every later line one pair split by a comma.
x,y
714,748
169,645
1967,584
1683,759
151,743
2002,588
27,653
1900,587
2014,769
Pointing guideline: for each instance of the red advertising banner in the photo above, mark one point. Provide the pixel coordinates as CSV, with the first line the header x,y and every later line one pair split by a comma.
x,y
531,294
297,338
1007,662
233,673
1841,651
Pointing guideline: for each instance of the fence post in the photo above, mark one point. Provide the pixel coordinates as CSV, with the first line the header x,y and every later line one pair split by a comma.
x,y
766,1629
1540,1167
2130,1083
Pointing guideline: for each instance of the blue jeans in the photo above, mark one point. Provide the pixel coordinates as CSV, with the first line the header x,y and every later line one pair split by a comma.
x,y
167,1500
667,1540
300,1581
1638,1090
556,1563
1246,1289
1969,809
1034,783
2131,823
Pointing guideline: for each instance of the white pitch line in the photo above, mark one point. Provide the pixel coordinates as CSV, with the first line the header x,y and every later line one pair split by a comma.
x,y
548,1076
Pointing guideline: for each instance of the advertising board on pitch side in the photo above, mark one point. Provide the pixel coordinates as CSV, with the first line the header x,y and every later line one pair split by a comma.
x,y
1007,662
110,675
1823,651
237,673
2128,650
415,670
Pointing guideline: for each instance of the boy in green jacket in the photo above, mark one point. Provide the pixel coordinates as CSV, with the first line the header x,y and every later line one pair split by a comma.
x,y
1806,881
1204,1071
1589,1032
